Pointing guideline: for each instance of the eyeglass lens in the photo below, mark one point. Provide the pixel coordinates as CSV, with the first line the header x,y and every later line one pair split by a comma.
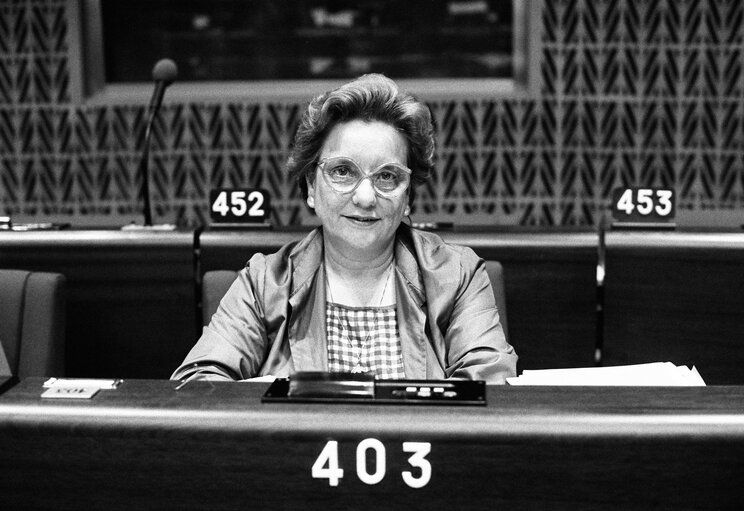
x,y
344,175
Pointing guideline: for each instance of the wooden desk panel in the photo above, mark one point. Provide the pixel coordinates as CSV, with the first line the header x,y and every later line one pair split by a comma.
x,y
549,279
214,445
131,303
676,296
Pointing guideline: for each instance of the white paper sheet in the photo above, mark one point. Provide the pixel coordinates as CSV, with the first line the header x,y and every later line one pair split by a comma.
x,y
652,374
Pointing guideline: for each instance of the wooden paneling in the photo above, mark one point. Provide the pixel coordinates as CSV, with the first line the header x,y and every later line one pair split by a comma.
x,y
130,296
676,296
215,446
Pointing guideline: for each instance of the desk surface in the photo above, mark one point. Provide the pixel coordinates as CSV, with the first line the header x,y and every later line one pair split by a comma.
x,y
514,411
215,445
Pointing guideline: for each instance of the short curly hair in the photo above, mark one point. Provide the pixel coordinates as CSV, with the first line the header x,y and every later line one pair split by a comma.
x,y
371,97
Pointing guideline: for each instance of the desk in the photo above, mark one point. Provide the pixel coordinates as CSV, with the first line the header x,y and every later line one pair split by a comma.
x,y
549,279
676,296
6,382
215,446
130,296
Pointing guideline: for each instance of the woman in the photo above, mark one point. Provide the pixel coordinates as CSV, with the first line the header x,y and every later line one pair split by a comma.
x,y
364,292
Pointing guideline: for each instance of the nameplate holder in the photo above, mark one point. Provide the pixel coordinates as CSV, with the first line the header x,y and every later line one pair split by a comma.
x,y
355,388
643,208
239,207
70,392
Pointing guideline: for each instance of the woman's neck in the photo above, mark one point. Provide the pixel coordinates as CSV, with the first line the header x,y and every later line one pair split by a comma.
x,y
359,283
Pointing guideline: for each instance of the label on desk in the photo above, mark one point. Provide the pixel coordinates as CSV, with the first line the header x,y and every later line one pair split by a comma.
x,y
82,382
70,392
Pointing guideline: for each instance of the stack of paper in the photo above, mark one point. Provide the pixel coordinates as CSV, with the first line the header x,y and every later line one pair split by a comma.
x,y
653,374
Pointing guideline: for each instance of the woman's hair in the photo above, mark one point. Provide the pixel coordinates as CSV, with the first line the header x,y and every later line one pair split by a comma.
x,y
372,97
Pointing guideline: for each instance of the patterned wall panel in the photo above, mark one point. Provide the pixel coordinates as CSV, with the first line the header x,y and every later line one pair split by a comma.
x,y
631,92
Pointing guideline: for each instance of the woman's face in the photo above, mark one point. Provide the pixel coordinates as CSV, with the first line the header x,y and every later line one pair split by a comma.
x,y
360,224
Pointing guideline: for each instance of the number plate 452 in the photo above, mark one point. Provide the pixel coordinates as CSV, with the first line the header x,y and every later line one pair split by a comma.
x,y
238,205
643,204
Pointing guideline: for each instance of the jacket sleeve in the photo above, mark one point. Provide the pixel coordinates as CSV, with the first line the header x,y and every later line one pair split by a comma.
x,y
233,345
477,346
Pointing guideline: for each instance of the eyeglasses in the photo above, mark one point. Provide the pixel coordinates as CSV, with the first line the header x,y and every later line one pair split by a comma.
x,y
344,175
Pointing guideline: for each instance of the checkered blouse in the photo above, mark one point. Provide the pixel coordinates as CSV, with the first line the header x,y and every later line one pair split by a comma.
x,y
364,339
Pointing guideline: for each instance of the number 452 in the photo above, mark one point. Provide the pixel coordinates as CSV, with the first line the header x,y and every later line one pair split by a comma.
x,y
326,465
239,204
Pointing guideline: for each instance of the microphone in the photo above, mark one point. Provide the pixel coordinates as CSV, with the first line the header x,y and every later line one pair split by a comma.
x,y
164,73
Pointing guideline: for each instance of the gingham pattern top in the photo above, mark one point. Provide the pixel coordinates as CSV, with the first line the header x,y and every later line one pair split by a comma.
x,y
364,339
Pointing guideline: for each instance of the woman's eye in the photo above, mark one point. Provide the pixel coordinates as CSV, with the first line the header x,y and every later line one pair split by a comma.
x,y
340,171
387,176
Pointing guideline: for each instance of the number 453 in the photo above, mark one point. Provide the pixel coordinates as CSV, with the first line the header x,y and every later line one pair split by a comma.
x,y
326,466
646,201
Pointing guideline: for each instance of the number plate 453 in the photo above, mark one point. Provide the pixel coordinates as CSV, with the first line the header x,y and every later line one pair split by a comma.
x,y
638,204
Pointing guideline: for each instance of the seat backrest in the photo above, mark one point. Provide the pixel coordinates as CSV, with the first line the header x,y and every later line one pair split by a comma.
x,y
215,284
496,275
32,322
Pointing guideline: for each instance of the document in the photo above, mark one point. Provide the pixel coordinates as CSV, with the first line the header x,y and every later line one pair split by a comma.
x,y
653,374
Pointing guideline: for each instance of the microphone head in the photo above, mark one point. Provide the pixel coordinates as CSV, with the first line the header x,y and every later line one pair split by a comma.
x,y
165,70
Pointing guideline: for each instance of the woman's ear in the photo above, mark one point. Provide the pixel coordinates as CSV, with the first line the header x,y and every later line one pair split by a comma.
x,y
310,193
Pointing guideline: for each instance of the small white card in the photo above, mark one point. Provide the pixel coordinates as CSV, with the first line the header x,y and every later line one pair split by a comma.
x,y
70,392
81,382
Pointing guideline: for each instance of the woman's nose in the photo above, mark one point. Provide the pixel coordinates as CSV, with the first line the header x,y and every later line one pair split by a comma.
x,y
365,195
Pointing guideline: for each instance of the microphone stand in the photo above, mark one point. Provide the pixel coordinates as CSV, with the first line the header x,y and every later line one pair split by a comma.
x,y
164,73
144,170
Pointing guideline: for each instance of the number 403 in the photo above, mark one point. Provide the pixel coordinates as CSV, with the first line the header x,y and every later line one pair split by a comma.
x,y
326,466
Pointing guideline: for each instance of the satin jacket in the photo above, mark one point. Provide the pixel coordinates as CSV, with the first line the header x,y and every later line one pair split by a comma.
x,y
272,319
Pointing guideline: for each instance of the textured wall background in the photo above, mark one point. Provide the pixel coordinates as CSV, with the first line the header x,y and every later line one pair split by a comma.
x,y
632,92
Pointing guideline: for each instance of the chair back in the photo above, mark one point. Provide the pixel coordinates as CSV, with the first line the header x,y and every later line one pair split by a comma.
x,y
496,275
215,284
32,322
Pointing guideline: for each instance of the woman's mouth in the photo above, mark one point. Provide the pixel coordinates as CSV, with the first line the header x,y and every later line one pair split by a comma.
x,y
366,220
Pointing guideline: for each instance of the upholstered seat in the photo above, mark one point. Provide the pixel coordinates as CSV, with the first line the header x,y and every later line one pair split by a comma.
x,y
496,275
32,322
214,286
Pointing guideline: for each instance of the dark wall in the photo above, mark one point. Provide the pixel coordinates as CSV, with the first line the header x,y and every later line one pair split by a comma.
x,y
632,92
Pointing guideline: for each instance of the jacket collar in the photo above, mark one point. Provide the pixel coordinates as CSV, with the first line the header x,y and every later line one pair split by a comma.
x,y
307,258
307,333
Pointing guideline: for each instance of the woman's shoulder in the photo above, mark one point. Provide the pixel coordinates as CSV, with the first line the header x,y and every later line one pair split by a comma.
x,y
291,250
430,245
291,261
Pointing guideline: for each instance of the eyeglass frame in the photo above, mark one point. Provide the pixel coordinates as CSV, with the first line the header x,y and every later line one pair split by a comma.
x,y
321,165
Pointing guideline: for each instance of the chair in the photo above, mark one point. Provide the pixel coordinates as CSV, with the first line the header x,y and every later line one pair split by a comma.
x,y
32,322
215,284
496,275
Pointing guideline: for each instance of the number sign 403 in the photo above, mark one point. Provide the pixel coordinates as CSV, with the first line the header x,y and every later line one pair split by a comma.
x,y
643,204
238,205
327,465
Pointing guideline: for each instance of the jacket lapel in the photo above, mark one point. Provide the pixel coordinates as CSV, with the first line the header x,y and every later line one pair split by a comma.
x,y
410,309
307,333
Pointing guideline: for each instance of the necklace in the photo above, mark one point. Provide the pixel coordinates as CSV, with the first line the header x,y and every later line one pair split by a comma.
x,y
344,331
